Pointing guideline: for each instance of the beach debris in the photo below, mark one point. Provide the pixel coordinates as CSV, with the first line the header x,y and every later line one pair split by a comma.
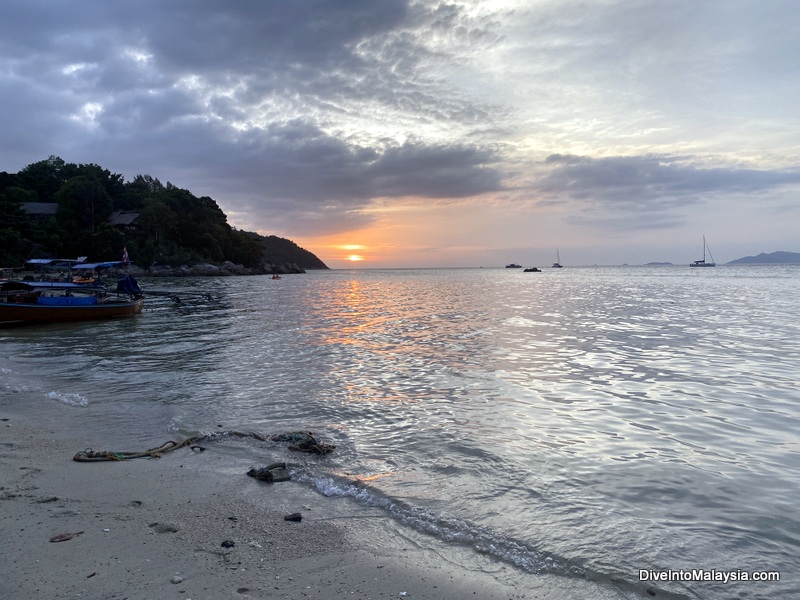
x,y
176,579
303,441
297,517
63,537
90,575
106,529
271,474
262,474
404,593
228,544
90,455
163,528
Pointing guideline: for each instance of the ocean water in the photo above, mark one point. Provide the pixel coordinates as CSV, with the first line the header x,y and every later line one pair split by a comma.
x,y
589,423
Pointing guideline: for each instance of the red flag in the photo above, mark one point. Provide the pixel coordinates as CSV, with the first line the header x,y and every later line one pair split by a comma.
x,y
125,254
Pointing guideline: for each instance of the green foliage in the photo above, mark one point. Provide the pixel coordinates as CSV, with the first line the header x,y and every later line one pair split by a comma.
x,y
15,227
13,247
173,226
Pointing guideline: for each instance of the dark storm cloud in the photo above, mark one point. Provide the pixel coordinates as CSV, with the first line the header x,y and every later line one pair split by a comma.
x,y
295,175
239,99
247,36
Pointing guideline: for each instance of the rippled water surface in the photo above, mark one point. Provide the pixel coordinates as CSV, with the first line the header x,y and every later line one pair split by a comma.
x,y
588,422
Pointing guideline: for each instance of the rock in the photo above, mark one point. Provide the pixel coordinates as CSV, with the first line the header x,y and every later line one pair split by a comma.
x,y
228,544
163,528
297,517
204,269
273,473
176,579
261,474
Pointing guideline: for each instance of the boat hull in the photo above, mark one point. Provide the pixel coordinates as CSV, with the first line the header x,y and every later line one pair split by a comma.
x,y
24,314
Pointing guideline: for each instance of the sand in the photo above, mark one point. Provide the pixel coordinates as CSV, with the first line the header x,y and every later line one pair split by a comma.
x,y
151,529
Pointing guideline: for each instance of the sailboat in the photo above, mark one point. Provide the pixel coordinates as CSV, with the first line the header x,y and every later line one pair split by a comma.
x,y
557,264
703,263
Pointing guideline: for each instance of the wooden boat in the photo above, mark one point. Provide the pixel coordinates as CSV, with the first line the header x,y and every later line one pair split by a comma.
x,y
30,302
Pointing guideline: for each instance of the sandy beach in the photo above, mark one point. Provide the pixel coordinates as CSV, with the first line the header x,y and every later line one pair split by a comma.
x,y
174,528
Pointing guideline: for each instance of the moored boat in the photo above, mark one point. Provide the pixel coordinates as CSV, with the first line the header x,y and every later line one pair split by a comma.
x,y
703,262
31,302
557,264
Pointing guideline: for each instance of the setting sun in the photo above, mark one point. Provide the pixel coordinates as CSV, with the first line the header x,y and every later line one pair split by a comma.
x,y
355,257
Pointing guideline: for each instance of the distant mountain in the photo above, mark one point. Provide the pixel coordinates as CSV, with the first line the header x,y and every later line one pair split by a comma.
x,y
775,258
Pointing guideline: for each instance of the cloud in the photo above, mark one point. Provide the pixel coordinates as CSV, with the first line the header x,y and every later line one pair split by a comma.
x,y
650,182
312,108
309,116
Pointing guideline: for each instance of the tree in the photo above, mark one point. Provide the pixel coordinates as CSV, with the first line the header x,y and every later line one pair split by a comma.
x,y
45,177
107,242
174,225
13,247
15,227
83,203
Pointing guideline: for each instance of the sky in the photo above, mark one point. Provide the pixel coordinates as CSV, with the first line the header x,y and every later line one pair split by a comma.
x,y
389,133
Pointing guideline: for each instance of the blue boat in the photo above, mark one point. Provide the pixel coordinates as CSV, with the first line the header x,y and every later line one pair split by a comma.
x,y
30,302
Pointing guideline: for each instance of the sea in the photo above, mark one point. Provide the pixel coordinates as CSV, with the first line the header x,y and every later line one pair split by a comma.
x,y
636,427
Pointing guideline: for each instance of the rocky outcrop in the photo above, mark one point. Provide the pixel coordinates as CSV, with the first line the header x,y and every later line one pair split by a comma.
x,y
226,269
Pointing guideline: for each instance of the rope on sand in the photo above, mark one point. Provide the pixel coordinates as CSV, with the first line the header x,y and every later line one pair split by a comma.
x,y
89,455
300,441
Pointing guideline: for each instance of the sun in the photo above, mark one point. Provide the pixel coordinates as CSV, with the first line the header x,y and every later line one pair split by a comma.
x,y
355,258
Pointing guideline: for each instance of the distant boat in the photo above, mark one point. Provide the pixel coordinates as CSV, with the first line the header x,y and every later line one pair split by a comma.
x,y
557,264
513,266
703,263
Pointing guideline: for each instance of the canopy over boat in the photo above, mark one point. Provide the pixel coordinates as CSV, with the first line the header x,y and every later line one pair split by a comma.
x,y
55,262
100,265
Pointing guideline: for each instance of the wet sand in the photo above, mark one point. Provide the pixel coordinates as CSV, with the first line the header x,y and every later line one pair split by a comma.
x,y
176,528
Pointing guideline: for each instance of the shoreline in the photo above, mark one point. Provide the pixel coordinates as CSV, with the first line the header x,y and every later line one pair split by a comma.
x,y
155,528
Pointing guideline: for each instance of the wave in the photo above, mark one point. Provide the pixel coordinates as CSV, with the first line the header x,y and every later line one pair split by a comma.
x,y
71,399
481,539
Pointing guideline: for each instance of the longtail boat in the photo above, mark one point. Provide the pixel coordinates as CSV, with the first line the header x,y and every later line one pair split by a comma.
x,y
29,302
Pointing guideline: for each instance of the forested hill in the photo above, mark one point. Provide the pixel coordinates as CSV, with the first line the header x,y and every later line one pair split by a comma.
x,y
53,208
